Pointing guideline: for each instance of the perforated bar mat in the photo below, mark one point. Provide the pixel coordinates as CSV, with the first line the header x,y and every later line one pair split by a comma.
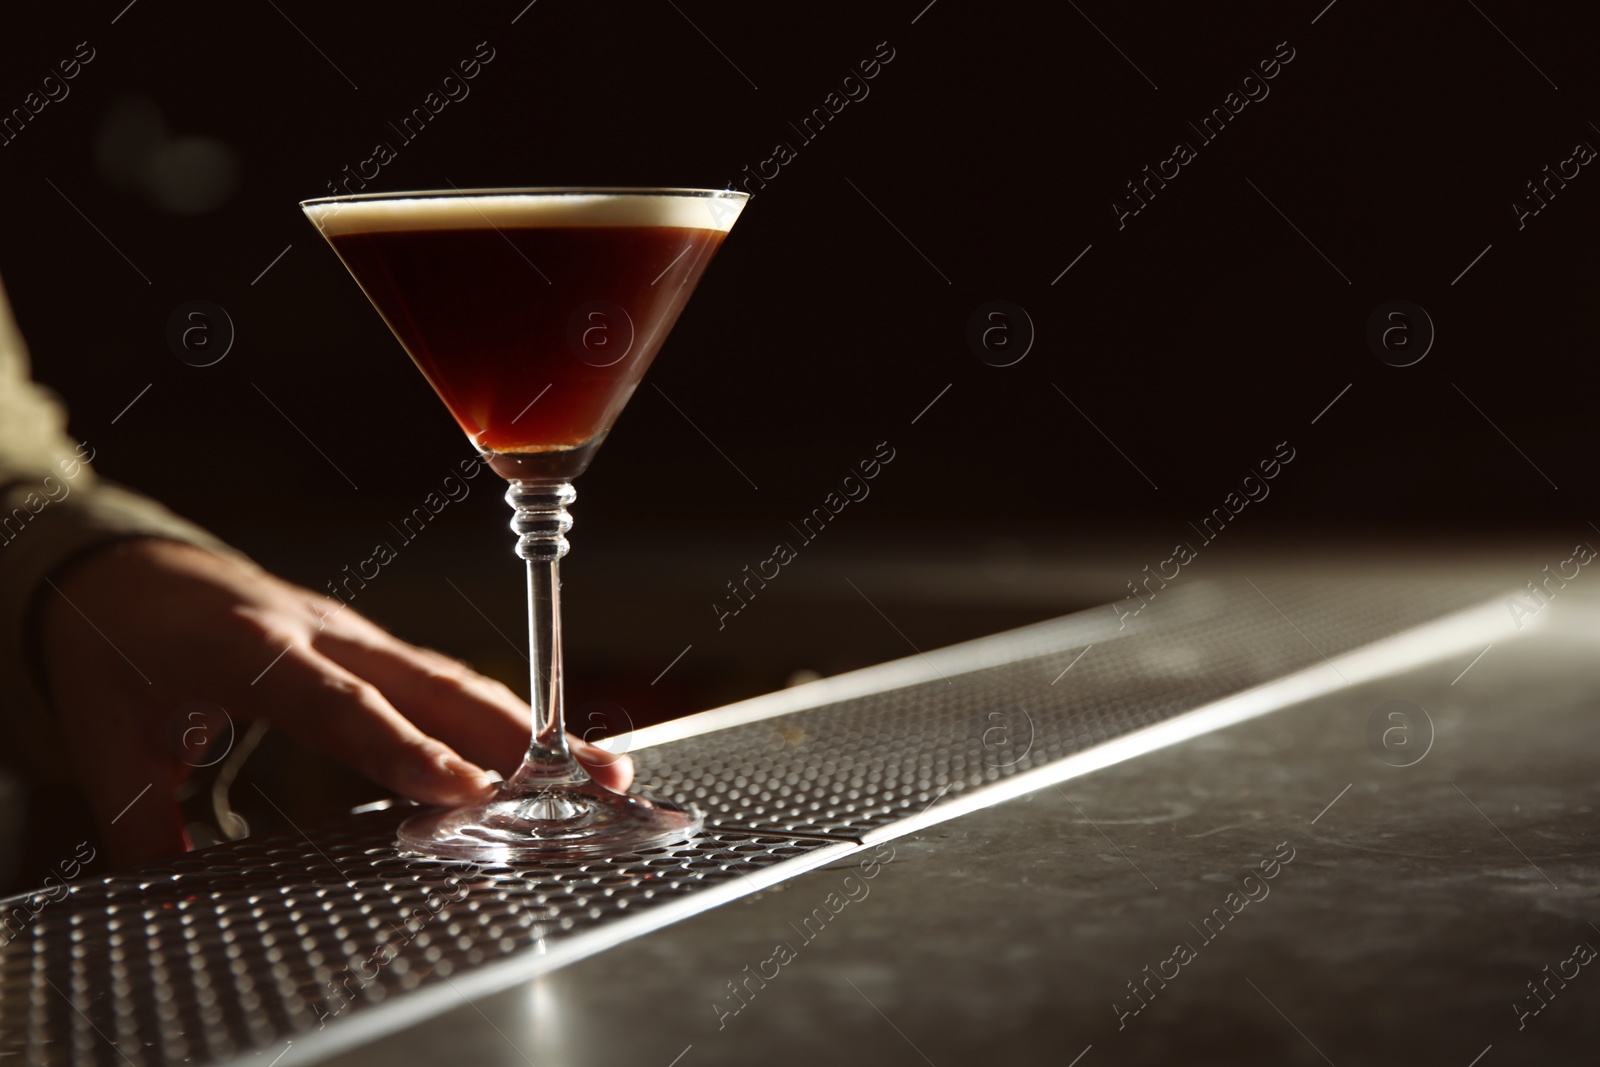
x,y
234,953
851,767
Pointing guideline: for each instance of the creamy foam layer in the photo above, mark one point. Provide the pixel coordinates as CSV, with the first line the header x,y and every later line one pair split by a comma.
x,y
511,210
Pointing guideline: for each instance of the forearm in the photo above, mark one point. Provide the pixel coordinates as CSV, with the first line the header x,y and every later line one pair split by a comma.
x,y
34,553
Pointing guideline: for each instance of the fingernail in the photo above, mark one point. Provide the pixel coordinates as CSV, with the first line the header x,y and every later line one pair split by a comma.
x,y
461,778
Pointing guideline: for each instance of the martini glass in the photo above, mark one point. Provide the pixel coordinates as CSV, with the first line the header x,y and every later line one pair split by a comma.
x,y
534,313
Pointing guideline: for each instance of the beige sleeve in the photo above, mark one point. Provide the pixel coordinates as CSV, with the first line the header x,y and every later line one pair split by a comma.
x,y
52,508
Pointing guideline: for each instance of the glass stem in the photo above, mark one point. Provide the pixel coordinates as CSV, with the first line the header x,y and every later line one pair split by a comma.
x,y
541,522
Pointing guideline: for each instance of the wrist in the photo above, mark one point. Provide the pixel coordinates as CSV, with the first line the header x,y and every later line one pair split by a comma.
x,y
67,594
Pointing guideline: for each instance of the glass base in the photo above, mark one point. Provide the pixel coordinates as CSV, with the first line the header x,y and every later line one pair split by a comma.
x,y
556,822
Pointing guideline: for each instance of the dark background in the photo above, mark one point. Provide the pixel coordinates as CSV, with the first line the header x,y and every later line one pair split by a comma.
x,y
983,162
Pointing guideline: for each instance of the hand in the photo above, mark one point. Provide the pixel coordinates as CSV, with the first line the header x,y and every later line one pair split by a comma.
x,y
139,628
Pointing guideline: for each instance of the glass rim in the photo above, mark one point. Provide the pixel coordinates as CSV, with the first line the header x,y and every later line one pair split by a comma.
x,y
546,190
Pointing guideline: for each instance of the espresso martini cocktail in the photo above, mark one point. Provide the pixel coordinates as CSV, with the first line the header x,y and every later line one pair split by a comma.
x,y
534,313
556,300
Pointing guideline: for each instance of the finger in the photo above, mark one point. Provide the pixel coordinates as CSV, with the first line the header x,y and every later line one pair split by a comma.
x,y
484,720
130,792
611,769
323,706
